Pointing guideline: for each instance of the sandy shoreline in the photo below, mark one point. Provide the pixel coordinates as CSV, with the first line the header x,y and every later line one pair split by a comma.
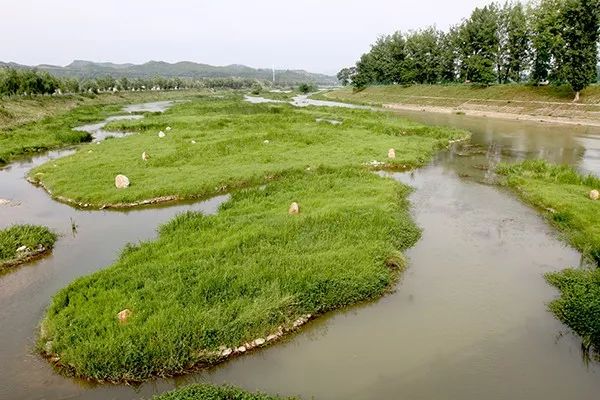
x,y
493,114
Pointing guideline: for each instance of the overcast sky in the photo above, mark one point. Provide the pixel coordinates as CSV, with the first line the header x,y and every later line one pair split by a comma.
x,y
316,35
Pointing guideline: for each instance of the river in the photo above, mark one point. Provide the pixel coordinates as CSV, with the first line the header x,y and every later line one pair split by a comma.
x,y
468,319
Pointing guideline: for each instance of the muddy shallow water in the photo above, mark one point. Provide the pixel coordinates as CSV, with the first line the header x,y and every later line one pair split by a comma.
x,y
468,319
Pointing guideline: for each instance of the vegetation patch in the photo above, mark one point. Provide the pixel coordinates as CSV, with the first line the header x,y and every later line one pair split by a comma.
x,y
211,287
564,195
32,124
21,243
211,392
219,144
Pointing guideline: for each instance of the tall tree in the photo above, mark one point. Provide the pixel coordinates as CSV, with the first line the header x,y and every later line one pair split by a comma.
x,y
479,45
513,42
580,20
547,41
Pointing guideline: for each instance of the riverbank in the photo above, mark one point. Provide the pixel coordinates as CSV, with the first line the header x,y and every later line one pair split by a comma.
x,y
22,243
235,144
513,102
30,125
563,196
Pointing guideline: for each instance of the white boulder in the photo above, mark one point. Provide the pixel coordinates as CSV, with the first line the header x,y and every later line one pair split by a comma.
x,y
294,208
121,181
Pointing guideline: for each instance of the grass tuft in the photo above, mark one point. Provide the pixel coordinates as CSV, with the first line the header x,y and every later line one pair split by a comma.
x,y
211,392
36,239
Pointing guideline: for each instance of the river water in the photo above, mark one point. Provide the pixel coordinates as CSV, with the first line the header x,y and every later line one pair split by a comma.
x,y
468,320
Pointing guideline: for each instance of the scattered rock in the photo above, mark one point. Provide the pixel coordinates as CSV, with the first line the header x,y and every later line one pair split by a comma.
x,y
227,352
124,315
161,134
241,349
272,337
330,121
121,181
594,194
375,163
168,128
193,142
90,151
259,341
21,249
48,347
266,141
145,156
294,208
4,202
391,153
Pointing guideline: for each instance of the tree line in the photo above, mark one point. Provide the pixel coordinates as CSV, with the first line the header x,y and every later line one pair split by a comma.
x,y
28,82
545,41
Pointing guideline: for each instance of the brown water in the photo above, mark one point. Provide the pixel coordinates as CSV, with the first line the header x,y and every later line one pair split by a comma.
x,y
467,321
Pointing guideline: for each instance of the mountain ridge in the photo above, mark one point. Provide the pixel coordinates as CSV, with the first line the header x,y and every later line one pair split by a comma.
x,y
181,69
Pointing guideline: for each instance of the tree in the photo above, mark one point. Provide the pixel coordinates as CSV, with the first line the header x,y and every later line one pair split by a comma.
x,y
546,42
346,75
580,21
478,43
422,63
449,55
513,43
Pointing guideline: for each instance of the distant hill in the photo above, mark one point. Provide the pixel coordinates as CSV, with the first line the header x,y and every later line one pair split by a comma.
x,y
183,69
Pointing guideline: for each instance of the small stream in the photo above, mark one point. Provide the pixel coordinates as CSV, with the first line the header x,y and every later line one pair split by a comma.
x,y
468,320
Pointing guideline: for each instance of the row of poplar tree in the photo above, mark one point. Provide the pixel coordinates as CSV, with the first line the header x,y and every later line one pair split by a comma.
x,y
544,41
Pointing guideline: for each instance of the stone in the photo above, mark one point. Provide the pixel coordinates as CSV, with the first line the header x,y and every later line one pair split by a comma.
x,y
21,249
227,352
161,134
124,315
168,128
145,156
594,194
193,142
259,342
241,349
266,141
294,208
271,337
48,347
121,181
391,153
4,202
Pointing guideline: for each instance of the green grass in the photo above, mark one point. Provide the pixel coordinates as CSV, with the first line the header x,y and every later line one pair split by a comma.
x,y
37,239
33,124
230,149
378,95
223,280
210,392
563,195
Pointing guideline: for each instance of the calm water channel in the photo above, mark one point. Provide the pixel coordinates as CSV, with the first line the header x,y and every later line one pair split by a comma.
x,y
468,320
